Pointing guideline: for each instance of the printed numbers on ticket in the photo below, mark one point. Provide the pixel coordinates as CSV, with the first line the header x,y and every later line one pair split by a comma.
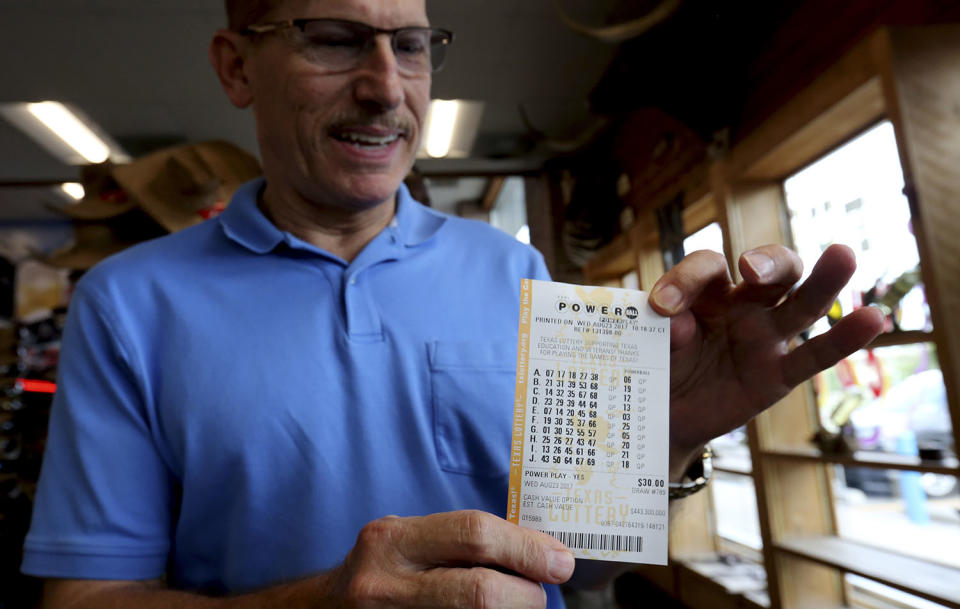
x,y
590,427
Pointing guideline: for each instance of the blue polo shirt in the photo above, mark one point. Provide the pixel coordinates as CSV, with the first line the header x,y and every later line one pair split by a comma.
x,y
234,404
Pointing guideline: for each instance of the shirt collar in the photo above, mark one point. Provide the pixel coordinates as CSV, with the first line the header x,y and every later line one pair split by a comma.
x,y
244,223
414,222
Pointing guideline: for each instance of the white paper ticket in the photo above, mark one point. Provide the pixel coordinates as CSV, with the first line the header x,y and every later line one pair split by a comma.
x,y
590,426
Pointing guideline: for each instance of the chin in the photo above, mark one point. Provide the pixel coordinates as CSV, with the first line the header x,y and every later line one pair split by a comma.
x,y
366,191
385,181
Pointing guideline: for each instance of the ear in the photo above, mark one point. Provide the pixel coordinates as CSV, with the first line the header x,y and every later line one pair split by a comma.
x,y
228,62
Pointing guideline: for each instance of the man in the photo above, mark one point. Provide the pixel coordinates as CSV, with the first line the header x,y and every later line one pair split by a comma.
x,y
244,404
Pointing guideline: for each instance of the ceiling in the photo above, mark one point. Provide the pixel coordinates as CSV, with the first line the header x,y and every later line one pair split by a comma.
x,y
139,69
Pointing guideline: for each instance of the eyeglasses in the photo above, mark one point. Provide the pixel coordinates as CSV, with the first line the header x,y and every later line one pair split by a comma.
x,y
341,45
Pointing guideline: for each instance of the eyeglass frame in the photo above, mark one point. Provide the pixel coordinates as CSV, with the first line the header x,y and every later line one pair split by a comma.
x,y
301,24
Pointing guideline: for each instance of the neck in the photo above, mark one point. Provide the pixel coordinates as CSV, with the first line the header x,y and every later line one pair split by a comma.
x,y
340,231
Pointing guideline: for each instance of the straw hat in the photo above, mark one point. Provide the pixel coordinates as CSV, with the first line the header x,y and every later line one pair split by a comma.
x,y
103,198
95,240
185,185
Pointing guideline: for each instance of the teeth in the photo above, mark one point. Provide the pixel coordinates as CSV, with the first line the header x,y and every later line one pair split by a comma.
x,y
369,140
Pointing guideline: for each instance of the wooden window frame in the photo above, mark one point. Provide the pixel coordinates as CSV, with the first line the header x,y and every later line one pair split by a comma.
x,y
910,76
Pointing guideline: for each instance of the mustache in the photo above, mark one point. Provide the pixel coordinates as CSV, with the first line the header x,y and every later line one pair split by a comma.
x,y
392,120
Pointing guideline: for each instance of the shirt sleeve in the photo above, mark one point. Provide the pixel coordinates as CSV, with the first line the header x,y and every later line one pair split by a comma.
x,y
539,270
104,503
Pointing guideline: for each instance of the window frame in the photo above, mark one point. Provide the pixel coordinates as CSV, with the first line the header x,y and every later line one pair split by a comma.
x,y
903,75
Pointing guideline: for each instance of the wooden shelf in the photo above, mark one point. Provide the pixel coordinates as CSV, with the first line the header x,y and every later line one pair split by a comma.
x,y
756,600
910,337
732,461
703,586
737,471
950,467
934,582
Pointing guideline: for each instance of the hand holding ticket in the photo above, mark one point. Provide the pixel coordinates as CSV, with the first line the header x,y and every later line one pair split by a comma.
x,y
590,445
732,353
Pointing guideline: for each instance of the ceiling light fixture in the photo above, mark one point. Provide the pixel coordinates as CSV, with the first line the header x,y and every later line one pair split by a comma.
x,y
74,189
451,128
64,132
442,121
65,125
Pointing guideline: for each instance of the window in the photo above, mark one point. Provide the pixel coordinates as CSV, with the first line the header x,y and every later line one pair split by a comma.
x,y
709,237
893,510
888,399
855,196
631,281
868,593
735,503
509,212
866,514
885,402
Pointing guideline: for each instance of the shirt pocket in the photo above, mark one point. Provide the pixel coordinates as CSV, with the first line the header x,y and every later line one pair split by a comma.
x,y
473,392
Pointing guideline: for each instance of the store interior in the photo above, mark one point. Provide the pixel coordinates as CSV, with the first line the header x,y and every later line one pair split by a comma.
x,y
615,137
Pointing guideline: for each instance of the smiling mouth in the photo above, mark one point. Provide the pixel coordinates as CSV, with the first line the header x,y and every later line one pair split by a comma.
x,y
367,141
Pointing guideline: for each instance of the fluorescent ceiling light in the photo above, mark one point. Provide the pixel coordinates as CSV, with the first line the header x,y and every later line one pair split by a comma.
x,y
451,128
68,128
443,119
74,189
64,132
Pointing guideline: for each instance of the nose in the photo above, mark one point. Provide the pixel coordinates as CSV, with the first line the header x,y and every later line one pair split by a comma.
x,y
378,85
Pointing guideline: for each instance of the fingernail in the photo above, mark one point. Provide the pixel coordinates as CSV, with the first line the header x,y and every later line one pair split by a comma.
x,y
560,565
668,297
761,264
876,306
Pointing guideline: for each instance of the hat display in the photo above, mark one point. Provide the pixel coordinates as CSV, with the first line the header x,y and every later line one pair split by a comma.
x,y
164,191
183,185
103,197
95,240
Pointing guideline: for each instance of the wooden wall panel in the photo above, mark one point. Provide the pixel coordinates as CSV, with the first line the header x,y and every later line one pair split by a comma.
x,y
692,526
924,96
545,209
810,585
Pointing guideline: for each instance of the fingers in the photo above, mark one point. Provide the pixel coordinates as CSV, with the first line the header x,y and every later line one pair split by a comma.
x,y
849,334
456,559
769,272
699,272
479,588
475,537
472,537
813,298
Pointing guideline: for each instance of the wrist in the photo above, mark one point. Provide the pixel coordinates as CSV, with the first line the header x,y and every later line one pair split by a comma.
x,y
681,459
695,478
333,587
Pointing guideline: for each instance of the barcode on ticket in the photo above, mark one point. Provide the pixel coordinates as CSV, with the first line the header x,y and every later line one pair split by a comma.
x,y
597,541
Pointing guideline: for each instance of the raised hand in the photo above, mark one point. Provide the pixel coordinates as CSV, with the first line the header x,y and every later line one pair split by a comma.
x,y
731,354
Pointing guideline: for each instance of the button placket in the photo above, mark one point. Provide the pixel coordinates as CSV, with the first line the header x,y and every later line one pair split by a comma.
x,y
362,312
363,318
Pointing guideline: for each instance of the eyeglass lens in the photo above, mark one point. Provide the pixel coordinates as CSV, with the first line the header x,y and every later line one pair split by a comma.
x,y
342,45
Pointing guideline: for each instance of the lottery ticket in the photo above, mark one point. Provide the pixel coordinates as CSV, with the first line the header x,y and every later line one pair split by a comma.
x,y
589,461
